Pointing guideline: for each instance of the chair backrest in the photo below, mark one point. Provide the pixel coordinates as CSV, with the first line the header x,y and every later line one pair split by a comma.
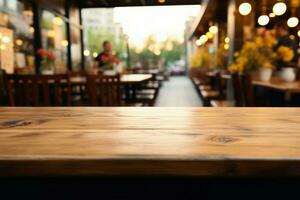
x,y
219,84
104,90
237,90
38,90
247,90
3,94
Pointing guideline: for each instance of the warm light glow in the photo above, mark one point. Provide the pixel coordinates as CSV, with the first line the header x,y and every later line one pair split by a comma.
x,y
226,46
263,20
86,53
157,52
161,1
213,29
209,35
57,21
5,39
298,33
203,39
292,37
245,8
279,8
51,33
1,35
227,40
2,47
31,29
293,22
64,43
95,54
19,42
272,15
198,42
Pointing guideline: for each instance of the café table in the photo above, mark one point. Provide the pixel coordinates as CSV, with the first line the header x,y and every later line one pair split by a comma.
x,y
135,78
149,153
129,81
198,142
125,79
279,85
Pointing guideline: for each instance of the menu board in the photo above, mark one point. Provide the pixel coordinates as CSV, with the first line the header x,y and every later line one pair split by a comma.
x,y
7,50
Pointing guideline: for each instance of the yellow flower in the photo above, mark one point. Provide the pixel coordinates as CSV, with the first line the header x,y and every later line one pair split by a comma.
x,y
259,41
267,64
285,54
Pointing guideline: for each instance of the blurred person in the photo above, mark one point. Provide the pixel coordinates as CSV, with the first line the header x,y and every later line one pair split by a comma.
x,y
106,59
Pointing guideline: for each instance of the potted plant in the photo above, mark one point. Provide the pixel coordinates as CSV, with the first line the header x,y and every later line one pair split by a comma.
x,y
247,60
265,72
284,56
256,55
265,42
47,61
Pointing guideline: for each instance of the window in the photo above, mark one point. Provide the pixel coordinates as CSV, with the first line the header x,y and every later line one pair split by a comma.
x,y
16,19
54,38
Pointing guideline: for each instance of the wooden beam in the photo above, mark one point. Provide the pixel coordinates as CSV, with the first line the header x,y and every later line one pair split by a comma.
x,y
143,2
104,2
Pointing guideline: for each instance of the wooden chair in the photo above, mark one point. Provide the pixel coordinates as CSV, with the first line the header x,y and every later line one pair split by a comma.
x,y
104,90
247,89
3,94
78,87
38,90
237,94
215,91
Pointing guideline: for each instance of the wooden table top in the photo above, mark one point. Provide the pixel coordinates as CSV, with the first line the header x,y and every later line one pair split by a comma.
x,y
149,141
135,78
278,84
125,79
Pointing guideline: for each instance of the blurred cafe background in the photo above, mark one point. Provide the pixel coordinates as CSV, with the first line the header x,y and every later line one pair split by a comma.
x,y
216,53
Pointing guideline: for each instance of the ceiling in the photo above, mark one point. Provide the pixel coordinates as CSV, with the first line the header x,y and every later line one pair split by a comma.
x,y
122,3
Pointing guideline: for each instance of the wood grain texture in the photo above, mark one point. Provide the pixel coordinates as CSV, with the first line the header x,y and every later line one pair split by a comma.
x,y
149,141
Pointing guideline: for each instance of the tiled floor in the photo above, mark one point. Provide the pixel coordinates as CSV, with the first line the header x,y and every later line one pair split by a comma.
x,y
178,92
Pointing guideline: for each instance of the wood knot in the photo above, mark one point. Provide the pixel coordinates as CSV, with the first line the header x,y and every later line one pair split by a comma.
x,y
222,139
15,123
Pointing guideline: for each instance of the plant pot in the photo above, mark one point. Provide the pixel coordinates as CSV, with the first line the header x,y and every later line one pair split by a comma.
x,y
288,74
265,74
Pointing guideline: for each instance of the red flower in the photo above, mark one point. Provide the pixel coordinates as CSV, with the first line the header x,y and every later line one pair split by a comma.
x,y
110,59
51,56
46,54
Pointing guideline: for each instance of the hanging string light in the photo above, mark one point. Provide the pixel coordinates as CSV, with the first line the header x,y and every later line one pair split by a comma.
x,y
213,29
245,9
272,15
264,19
279,8
293,21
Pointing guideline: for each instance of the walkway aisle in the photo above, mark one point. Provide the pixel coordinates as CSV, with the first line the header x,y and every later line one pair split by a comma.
x,y
178,92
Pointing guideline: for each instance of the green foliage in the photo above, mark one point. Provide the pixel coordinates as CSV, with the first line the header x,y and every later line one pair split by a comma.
x,y
152,52
170,51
